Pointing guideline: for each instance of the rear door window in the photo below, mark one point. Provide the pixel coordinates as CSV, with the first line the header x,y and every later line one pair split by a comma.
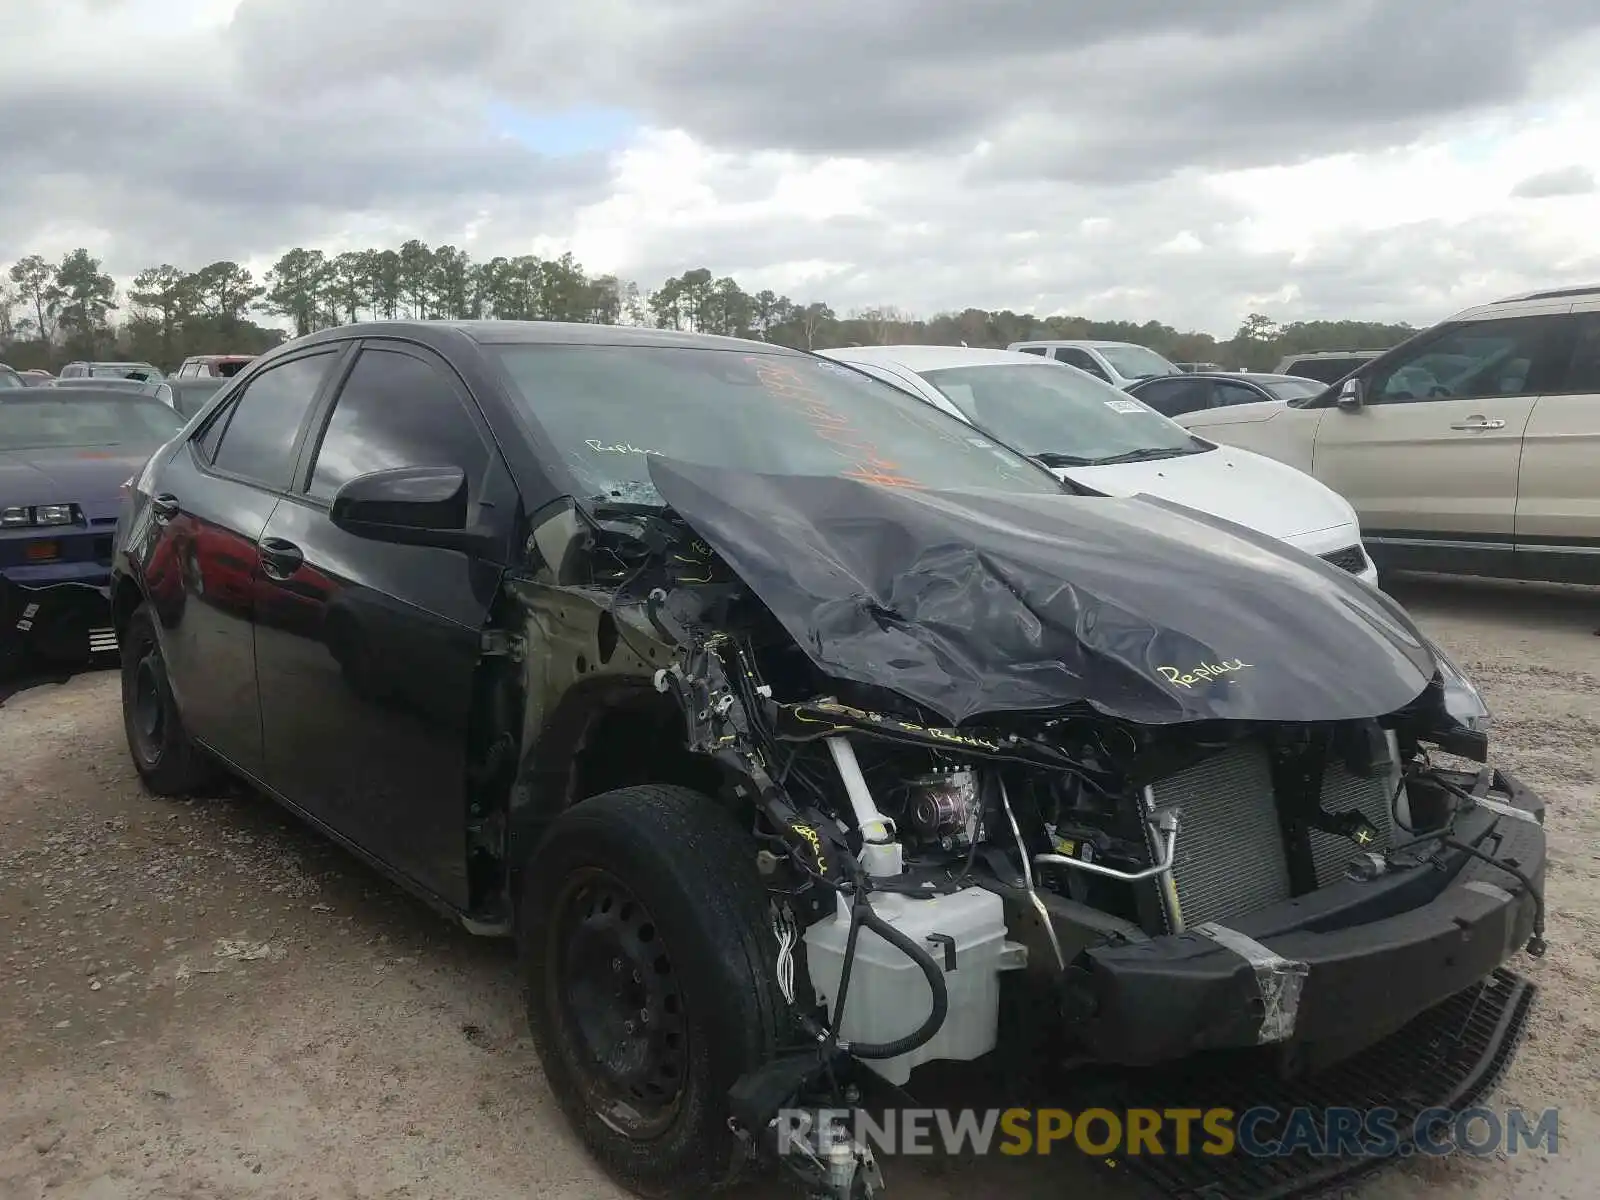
x,y
1583,369
1083,360
1228,394
1174,397
263,427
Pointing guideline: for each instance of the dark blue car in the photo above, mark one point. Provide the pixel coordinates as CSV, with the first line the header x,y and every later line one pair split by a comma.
x,y
65,453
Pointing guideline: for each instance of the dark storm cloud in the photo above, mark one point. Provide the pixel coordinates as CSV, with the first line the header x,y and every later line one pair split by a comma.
x,y
1068,88
178,163
1574,180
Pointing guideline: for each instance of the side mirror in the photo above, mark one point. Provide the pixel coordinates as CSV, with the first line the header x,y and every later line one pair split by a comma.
x,y
414,506
1352,395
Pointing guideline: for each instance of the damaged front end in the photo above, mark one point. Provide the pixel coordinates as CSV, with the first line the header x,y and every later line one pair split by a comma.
x,y
1158,784
57,623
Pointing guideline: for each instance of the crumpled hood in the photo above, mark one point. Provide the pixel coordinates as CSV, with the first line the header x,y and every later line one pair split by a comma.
x,y
984,602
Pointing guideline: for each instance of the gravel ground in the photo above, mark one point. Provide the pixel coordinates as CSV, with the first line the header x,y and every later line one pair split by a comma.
x,y
202,999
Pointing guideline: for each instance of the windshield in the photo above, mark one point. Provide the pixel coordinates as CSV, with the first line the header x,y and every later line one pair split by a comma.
x,y
1136,362
1327,370
51,423
606,409
1294,389
10,379
1060,414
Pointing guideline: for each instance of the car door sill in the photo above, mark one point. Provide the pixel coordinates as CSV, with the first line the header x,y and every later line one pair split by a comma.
x,y
481,925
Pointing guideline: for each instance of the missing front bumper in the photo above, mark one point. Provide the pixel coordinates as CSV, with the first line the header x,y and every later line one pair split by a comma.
x,y
63,622
1449,1057
1327,974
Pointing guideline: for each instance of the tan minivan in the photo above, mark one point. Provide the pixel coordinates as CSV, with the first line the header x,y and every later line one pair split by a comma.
x,y
1473,447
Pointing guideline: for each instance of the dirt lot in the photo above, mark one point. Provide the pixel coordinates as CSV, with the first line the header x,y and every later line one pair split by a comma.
x,y
203,1000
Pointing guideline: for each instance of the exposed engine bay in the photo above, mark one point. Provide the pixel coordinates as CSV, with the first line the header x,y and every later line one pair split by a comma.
x,y
1043,782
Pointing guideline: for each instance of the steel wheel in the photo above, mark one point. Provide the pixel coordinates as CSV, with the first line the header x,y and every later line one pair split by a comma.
x,y
149,709
617,994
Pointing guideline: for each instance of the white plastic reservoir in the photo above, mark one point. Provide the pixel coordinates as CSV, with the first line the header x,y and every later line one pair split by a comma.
x,y
889,996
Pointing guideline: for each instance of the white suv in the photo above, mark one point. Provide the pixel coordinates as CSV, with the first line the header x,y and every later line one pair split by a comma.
x,y
1470,448
1118,363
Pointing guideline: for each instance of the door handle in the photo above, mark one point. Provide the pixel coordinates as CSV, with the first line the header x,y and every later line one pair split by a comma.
x,y
164,507
1479,423
280,559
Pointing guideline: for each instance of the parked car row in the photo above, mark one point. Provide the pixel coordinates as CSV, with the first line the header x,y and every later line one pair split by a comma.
x,y
790,710
1173,396
1471,447
1092,434
1117,363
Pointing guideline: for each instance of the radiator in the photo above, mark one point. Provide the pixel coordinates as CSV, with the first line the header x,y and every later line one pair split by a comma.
x,y
1231,858
1341,791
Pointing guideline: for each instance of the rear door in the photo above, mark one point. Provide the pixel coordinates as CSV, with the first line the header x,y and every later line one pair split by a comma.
x,y
1176,395
1430,461
1558,491
216,495
367,650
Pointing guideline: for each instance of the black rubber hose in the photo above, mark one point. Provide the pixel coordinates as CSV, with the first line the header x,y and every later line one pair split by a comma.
x,y
1536,944
861,914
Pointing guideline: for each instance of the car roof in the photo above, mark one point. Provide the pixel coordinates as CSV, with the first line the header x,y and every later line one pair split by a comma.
x,y
1234,376
1084,343
76,392
933,358
531,333
1332,354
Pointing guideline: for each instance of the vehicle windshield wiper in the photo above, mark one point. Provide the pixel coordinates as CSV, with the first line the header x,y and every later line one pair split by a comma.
x,y
1050,458
1144,454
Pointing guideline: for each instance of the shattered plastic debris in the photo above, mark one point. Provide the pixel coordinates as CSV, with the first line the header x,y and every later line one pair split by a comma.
x,y
248,951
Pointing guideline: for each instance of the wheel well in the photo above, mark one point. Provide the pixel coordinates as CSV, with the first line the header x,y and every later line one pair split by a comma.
x,y
638,740
608,734
124,601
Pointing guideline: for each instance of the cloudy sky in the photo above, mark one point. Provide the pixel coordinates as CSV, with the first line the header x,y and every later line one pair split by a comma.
x,y
1192,162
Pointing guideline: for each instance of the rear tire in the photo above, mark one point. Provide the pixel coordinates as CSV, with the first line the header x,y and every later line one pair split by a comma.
x,y
650,969
167,760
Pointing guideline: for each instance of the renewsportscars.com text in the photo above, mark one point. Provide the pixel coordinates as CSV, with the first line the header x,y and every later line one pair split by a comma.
x,y
1262,1132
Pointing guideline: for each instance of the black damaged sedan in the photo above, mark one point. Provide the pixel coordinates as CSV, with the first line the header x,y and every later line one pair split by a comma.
x,y
800,735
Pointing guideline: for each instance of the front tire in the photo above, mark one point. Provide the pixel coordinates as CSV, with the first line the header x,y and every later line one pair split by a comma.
x,y
167,760
650,970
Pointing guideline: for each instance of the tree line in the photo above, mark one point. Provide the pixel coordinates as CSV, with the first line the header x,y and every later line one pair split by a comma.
x,y
55,312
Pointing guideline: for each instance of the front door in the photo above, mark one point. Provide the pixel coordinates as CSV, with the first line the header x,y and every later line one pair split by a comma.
x,y
1430,460
367,651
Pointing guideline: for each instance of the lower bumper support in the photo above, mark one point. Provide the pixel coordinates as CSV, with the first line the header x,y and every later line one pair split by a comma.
x,y
1450,1057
